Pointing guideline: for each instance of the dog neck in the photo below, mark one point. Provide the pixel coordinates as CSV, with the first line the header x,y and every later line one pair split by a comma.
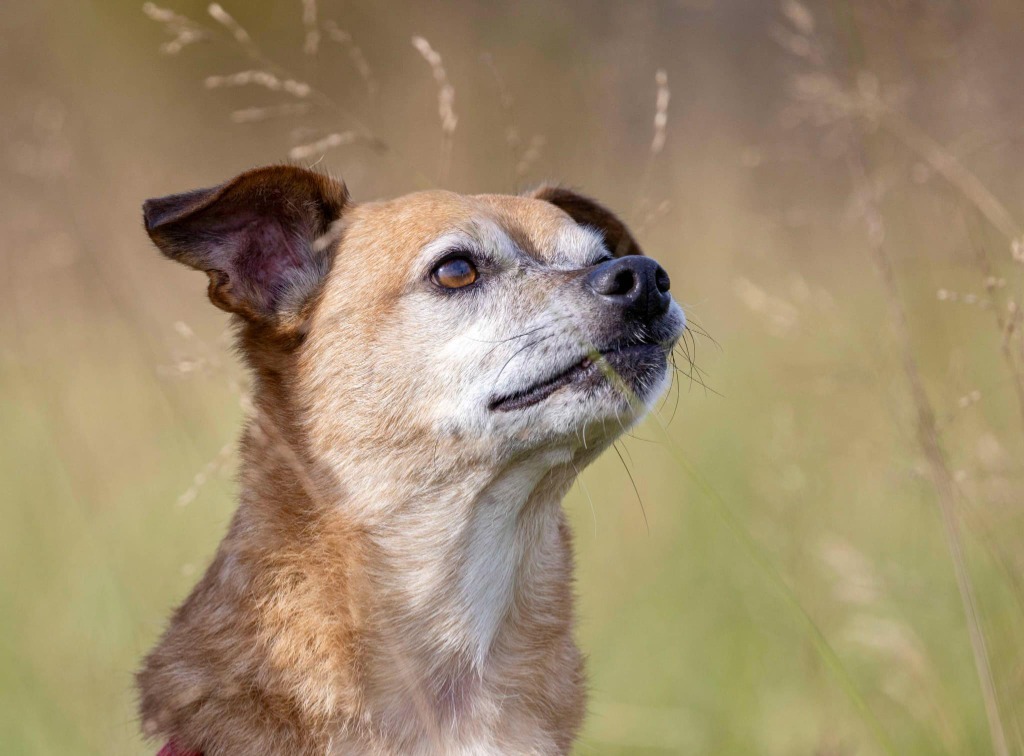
x,y
453,569
457,555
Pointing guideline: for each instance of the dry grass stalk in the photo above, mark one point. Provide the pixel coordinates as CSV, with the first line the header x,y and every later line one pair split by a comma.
x,y
266,113
780,317
966,298
355,55
532,153
522,159
941,476
320,146
856,584
202,358
225,19
445,99
769,569
851,107
660,111
653,215
264,79
969,399
865,102
950,168
214,466
854,579
504,95
274,77
799,16
661,99
1006,323
184,31
312,41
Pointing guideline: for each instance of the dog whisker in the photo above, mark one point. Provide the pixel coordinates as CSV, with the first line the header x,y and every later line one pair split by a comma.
x,y
519,352
636,490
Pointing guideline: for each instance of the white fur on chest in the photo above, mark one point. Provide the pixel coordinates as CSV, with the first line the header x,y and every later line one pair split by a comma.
x,y
500,536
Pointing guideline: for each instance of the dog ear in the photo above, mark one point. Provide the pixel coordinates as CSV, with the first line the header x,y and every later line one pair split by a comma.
x,y
259,237
585,211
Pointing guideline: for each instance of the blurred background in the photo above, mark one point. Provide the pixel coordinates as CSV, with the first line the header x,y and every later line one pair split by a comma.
x,y
816,546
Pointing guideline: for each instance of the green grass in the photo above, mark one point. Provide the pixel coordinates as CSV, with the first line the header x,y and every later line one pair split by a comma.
x,y
694,646
793,593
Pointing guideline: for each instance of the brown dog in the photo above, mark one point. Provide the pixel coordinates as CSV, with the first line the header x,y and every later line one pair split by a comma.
x,y
430,375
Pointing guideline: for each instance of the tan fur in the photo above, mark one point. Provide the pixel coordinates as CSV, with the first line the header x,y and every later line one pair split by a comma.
x,y
333,618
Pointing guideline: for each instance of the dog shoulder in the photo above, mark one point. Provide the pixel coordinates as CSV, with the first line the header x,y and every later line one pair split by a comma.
x,y
261,653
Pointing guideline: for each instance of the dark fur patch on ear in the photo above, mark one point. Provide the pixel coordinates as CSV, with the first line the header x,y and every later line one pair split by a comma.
x,y
254,236
588,212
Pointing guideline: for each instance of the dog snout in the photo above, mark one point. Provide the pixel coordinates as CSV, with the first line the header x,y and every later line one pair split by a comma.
x,y
635,284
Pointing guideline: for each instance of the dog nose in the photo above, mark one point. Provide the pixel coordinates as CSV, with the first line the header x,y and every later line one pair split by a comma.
x,y
635,283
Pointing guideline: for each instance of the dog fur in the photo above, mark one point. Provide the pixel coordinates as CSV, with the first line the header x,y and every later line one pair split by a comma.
x,y
397,577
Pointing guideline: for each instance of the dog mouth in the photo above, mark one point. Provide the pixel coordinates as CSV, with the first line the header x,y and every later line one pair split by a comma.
x,y
624,366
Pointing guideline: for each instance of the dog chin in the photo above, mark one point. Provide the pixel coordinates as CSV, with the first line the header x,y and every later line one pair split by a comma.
x,y
599,405
631,391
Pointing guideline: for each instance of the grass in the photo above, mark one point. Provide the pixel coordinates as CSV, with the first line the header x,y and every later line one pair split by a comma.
x,y
693,649
787,585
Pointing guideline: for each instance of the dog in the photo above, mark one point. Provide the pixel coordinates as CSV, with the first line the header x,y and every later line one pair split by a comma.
x,y
430,374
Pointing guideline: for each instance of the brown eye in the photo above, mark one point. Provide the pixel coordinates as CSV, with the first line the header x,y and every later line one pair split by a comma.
x,y
454,273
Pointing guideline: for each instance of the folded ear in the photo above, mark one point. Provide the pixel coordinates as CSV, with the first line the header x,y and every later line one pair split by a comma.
x,y
256,237
591,213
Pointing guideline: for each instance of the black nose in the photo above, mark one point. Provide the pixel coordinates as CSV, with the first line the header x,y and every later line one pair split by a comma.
x,y
635,283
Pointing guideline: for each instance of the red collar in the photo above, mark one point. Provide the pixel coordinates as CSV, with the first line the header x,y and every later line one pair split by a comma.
x,y
172,749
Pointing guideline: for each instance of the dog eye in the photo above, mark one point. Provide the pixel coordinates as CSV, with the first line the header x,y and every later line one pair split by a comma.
x,y
454,273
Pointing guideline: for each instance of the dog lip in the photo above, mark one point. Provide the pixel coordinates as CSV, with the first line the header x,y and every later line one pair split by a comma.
x,y
576,372
538,392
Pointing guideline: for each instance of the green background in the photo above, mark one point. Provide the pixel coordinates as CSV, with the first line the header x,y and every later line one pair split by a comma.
x,y
792,590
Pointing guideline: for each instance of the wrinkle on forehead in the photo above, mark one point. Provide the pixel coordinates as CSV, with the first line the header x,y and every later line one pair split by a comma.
x,y
401,227
542,230
533,225
417,218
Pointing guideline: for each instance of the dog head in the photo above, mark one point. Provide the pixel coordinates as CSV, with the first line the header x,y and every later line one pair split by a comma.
x,y
501,324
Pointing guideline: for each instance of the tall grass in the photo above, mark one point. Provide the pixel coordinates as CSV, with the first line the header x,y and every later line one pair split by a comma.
x,y
826,555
